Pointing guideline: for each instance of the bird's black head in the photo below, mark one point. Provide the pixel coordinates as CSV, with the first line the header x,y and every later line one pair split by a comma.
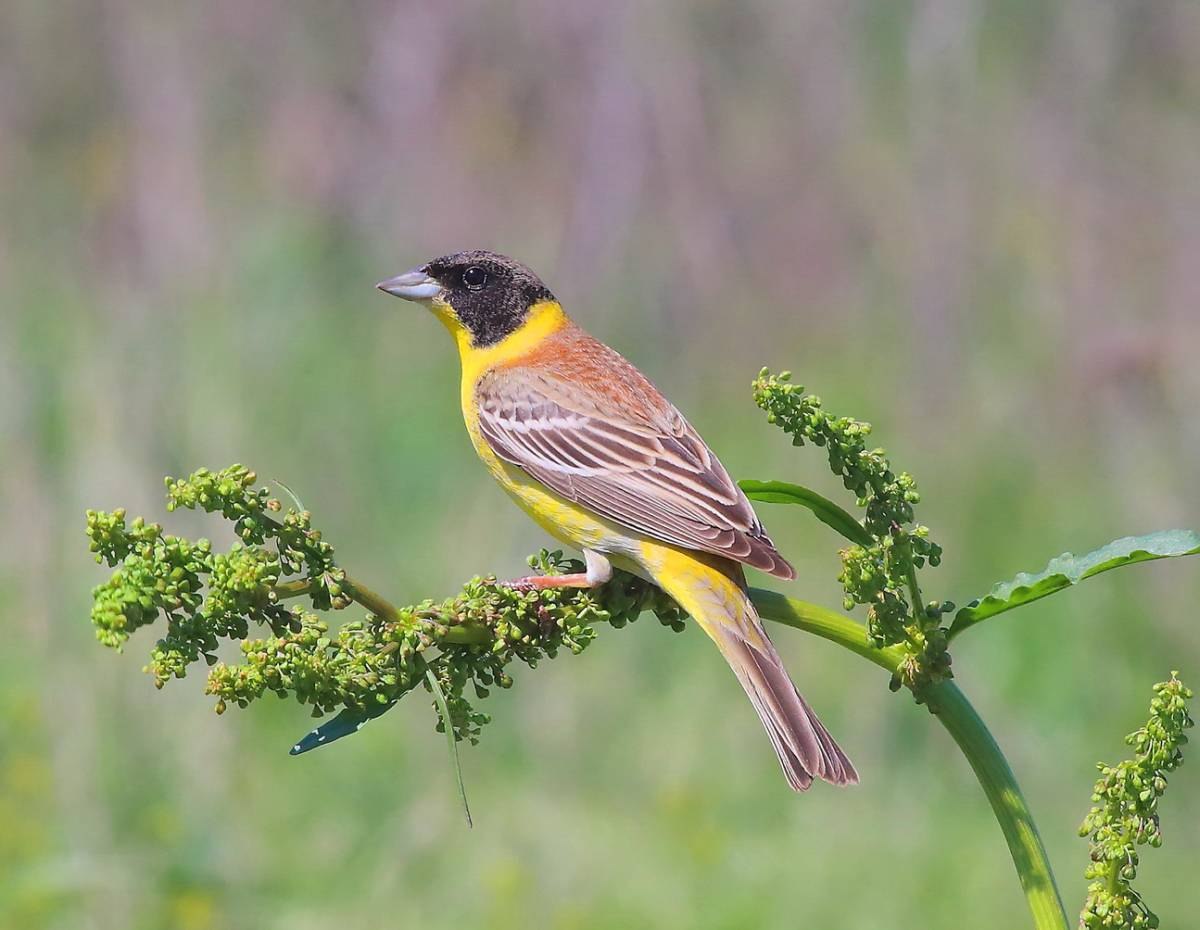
x,y
484,293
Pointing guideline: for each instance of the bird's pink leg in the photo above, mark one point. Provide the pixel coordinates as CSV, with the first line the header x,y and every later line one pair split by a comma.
x,y
542,582
598,571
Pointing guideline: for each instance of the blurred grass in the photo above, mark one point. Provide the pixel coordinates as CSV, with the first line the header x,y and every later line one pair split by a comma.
x,y
975,224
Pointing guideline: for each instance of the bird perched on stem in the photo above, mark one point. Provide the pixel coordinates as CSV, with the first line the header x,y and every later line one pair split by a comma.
x,y
589,448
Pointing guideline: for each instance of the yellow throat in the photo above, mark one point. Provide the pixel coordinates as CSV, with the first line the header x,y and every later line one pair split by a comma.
x,y
544,318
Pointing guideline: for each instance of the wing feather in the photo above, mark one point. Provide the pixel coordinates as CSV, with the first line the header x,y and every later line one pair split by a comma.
x,y
652,474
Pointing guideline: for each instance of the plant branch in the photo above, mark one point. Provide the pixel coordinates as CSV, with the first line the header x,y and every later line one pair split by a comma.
x,y
1125,813
945,700
826,623
956,714
914,592
960,719
358,592
366,597
469,639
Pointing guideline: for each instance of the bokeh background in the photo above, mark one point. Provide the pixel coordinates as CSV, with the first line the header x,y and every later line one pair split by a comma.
x,y
976,224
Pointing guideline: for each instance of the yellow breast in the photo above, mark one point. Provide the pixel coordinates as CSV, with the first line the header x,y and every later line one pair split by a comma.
x,y
562,519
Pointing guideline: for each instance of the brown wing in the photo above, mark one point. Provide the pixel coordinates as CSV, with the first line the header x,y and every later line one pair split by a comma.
x,y
595,431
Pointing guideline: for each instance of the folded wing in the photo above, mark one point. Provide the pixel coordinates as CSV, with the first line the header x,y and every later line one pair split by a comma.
x,y
629,457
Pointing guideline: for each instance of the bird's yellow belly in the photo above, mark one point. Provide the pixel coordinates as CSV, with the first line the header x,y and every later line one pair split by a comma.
x,y
565,520
578,527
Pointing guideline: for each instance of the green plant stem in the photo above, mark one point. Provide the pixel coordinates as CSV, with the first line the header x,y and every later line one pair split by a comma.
x,y
957,715
1113,876
287,589
826,623
355,590
918,605
944,699
376,603
959,718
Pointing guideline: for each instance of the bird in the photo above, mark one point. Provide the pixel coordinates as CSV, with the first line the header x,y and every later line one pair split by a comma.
x,y
603,462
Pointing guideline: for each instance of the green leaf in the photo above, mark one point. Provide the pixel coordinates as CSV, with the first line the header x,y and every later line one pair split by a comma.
x,y
1068,569
444,709
825,510
300,508
350,720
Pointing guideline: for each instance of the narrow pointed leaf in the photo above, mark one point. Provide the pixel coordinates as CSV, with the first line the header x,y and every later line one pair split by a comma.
x,y
1068,569
444,709
300,508
351,720
825,510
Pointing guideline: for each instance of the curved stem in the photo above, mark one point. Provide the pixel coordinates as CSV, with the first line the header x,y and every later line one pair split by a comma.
x,y
826,623
959,718
1008,804
944,699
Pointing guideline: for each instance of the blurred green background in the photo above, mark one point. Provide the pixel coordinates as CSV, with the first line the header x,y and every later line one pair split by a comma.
x,y
976,224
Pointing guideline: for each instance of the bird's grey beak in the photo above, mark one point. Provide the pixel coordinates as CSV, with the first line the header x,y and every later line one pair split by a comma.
x,y
412,285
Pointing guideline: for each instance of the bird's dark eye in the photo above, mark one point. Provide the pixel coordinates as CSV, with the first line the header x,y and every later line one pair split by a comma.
x,y
475,277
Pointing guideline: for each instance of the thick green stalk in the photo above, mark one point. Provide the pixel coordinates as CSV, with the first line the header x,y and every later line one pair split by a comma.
x,y
999,784
957,715
826,623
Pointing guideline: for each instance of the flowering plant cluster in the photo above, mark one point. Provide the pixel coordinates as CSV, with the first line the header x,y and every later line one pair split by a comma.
x,y
275,585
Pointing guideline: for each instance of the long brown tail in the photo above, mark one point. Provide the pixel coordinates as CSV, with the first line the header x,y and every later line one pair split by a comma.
x,y
804,746
721,607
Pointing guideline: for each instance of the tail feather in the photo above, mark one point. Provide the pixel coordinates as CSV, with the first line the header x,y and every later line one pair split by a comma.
x,y
715,596
839,769
804,746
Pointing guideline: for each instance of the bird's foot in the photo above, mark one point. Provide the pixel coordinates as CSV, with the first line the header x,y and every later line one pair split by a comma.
x,y
543,582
